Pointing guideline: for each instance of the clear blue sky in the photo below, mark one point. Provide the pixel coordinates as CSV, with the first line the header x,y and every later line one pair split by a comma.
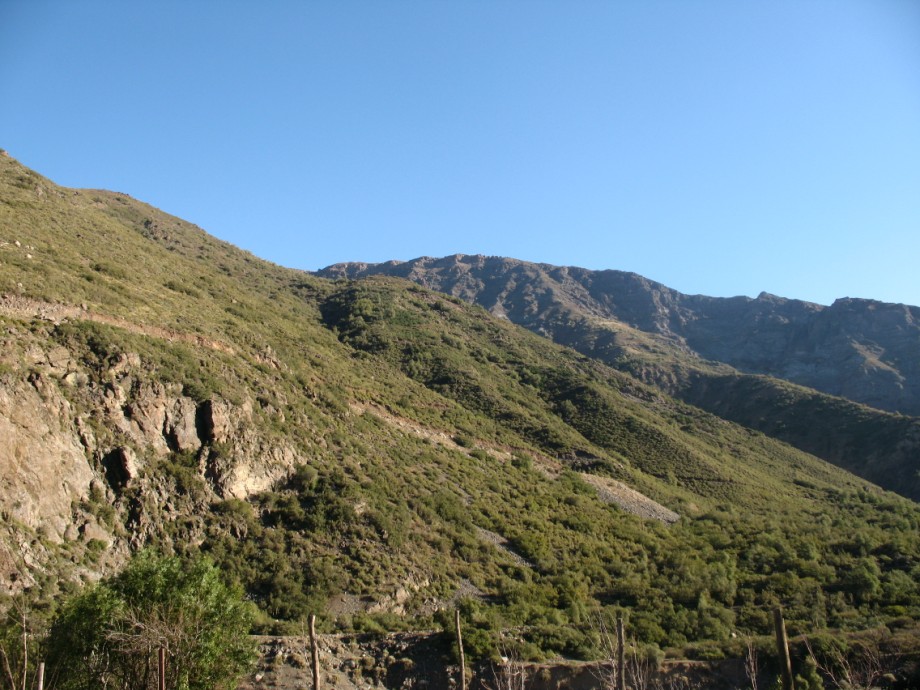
x,y
721,148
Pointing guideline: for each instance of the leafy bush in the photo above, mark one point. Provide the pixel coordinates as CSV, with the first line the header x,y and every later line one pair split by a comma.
x,y
108,636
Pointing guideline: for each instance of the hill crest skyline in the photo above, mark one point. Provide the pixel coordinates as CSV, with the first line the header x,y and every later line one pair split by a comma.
x,y
762,295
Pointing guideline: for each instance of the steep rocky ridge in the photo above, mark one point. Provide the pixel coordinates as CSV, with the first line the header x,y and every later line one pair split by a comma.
x,y
698,348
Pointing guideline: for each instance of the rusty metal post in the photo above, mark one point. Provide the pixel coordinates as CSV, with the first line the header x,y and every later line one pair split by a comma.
x,y
161,668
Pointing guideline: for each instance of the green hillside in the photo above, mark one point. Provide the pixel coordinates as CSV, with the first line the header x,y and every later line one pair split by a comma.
x,y
727,356
380,453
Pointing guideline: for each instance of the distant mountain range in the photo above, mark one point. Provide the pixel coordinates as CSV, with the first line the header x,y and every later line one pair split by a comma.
x,y
726,355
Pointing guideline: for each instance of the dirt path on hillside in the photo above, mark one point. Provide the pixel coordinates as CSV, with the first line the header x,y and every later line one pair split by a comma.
x,y
19,307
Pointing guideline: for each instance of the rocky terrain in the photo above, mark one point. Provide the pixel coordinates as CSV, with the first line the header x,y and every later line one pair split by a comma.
x,y
423,660
73,445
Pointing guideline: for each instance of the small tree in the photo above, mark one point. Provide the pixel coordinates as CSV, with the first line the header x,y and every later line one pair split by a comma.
x,y
108,637
750,663
848,669
21,632
509,675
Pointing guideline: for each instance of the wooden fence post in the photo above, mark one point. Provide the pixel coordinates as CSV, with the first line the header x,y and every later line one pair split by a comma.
x,y
314,652
782,648
460,650
25,649
161,668
621,655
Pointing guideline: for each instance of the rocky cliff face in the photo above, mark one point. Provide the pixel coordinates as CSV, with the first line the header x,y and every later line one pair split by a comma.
x,y
81,448
44,466
864,350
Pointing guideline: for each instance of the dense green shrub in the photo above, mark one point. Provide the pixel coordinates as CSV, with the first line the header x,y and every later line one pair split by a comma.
x,y
109,636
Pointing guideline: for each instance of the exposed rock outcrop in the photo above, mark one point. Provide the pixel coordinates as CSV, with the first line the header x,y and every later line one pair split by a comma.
x,y
43,465
77,443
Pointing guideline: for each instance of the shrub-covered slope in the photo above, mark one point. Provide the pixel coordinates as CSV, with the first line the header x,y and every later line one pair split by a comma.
x,y
377,452
722,354
860,349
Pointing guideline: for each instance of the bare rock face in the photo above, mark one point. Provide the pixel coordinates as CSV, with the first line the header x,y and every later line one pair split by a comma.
x,y
220,419
245,463
121,468
180,425
43,466
154,415
249,466
146,415
81,453
91,530
156,418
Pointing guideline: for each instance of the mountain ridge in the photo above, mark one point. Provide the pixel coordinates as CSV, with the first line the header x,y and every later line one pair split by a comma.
x,y
655,308
720,353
